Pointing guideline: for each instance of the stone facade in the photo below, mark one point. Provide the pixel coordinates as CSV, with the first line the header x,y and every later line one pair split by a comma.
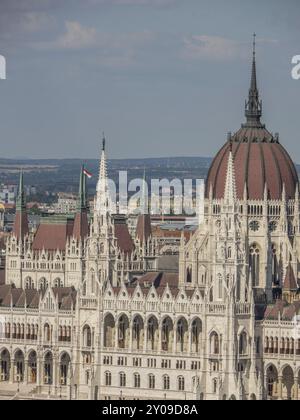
x,y
85,312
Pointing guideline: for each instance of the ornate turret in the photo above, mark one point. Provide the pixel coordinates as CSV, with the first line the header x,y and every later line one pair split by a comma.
x,y
20,228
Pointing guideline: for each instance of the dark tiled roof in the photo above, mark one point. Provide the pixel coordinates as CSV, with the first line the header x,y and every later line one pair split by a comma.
x,y
52,236
124,240
66,297
143,229
20,228
281,308
2,277
81,225
30,298
160,281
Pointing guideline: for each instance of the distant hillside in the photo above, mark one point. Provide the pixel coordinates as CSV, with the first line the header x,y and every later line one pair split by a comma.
x,y
62,174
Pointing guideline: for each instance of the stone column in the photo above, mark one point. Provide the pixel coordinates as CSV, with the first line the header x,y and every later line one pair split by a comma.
x,y
190,340
130,326
116,336
296,389
159,338
175,339
26,372
145,336
12,371
54,374
280,387
266,387
38,371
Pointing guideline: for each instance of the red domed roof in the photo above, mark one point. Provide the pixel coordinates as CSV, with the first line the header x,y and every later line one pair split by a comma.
x,y
259,159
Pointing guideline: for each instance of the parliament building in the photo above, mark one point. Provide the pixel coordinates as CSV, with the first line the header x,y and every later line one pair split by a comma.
x,y
90,310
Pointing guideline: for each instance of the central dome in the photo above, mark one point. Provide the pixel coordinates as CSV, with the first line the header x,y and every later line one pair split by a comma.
x,y
260,161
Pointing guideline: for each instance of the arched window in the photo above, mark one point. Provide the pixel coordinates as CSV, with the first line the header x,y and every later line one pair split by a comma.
x,y
229,252
122,377
215,386
47,333
137,380
93,281
181,384
122,332
189,275
214,344
107,378
29,283
87,336
254,263
243,345
43,284
166,382
275,268
220,286
151,381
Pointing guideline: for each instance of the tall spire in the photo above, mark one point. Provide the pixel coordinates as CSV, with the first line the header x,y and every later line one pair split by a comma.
x,y
102,199
20,228
253,109
230,185
21,202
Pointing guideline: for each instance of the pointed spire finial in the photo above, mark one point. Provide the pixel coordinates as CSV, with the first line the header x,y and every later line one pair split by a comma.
x,y
20,228
253,110
103,141
254,45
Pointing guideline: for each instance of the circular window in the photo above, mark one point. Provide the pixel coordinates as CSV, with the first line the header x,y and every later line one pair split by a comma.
x,y
272,226
254,225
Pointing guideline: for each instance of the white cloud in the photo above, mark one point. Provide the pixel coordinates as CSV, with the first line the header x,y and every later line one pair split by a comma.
x,y
35,21
210,47
198,47
76,37
110,49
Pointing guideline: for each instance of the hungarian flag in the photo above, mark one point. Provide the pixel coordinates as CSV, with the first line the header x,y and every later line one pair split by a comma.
x,y
87,173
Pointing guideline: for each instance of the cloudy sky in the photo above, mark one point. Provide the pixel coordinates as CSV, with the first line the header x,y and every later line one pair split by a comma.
x,y
160,77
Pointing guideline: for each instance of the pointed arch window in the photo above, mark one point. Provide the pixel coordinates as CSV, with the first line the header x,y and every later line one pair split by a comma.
x,y
220,286
254,263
